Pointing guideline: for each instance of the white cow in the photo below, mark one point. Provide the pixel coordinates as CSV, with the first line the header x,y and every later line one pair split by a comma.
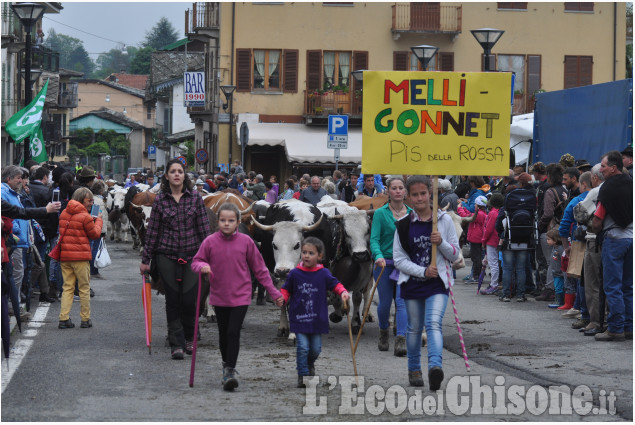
x,y
117,216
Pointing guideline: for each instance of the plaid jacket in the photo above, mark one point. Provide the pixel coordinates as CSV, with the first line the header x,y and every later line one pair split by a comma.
x,y
176,228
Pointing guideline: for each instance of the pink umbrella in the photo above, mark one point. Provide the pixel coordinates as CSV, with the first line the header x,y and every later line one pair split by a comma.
x,y
198,311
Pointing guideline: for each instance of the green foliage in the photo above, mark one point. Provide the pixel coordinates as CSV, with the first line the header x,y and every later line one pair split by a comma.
x,y
629,61
105,141
140,64
189,155
113,61
73,55
162,34
95,148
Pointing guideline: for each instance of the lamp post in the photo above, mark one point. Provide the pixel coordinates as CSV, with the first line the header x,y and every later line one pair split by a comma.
x,y
424,53
487,38
228,91
28,14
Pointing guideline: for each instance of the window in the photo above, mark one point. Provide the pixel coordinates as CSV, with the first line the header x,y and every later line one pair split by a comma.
x,y
578,6
515,5
337,69
148,112
578,71
528,74
328,69
266,70
407,61
515,64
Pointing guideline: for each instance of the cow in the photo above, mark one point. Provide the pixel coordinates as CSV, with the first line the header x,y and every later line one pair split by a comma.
x,y
138,213
214,201
459,222
280,235
117,216
366,203
352,264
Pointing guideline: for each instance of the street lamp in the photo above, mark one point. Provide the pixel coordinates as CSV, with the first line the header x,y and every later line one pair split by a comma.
x,y
228,91
424,53
358,76
487,37
28,14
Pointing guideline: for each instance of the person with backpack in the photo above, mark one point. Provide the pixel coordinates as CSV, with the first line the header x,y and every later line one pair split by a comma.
x,y
515,224
490,241
475,234
555,197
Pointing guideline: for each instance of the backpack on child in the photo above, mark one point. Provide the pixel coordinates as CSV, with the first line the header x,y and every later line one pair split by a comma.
x,y
520,220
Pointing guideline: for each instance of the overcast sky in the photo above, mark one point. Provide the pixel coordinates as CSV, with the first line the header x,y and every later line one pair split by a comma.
x,y
102,25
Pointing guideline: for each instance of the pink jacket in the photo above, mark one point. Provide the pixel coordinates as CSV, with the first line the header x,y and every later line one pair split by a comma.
x,y
475,229
231,259
490,237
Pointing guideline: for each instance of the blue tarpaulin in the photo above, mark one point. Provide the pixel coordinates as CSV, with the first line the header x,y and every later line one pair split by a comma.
x,y
585,122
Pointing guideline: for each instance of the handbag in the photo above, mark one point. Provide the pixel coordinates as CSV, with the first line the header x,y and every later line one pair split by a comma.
x,y
102,259
576,258
56,252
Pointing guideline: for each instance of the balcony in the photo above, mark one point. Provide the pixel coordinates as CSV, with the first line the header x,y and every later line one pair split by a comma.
x,y
430,18
318,106
52,131
203,19
68,97
41,58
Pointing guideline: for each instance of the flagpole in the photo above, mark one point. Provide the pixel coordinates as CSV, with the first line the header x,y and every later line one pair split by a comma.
x,y
28,94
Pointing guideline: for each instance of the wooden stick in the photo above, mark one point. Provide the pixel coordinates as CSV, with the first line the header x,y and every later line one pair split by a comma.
x,y
435,207
372,294
350,336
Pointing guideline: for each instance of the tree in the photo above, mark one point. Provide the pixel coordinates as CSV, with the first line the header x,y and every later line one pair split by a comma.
x,y
140,63
162,34
111,62
72,53
629,33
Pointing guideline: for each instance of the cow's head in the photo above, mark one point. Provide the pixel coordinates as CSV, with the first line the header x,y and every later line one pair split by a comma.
x,y
144,211
287,237
119,198
356,233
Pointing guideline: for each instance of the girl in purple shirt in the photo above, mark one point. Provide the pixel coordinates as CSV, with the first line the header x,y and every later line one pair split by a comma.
x,y
305,290
228,256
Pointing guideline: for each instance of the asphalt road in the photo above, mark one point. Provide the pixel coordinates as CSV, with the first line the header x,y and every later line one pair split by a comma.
x,y
522,355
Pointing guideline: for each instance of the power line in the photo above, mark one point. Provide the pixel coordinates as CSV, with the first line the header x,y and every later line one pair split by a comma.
x,y
85,32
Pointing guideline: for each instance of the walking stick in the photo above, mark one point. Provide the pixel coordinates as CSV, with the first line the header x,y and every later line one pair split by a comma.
x,y
372,294
433,260
350,336
194,343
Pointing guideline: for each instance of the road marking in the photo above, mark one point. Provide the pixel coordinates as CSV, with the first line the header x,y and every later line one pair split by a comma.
x,y
23,345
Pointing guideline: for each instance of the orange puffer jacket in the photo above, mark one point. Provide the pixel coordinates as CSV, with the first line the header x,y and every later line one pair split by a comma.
x,y
75,238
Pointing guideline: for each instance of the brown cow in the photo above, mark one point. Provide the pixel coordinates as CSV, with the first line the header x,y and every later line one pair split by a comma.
x,y
366,203
233,196
139,213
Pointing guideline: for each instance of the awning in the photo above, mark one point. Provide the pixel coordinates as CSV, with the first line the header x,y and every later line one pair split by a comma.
x,y
301,142
521,133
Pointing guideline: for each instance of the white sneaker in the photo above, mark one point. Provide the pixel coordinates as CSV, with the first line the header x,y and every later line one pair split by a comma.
x,y
571,313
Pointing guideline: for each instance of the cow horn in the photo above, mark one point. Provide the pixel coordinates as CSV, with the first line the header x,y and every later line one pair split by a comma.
x,y
470,219
313,226
446,207
337,217
134,205
370,213
261,226
243,212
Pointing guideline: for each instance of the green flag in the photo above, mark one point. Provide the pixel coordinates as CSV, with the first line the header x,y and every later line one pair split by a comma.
x,y
26,122
38,149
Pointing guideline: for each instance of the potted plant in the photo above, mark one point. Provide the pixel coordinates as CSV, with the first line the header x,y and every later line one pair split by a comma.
x,y
319,110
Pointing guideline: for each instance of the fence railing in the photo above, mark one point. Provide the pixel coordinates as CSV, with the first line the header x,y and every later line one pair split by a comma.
x,y
424,18
202,15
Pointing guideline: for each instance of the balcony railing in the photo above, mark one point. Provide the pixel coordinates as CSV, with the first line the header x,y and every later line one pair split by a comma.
x,y
331,103
52,131
426,18
68,98
42,58
11,26
202,15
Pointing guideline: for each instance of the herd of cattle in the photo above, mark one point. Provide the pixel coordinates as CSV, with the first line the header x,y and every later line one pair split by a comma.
x,y
278,230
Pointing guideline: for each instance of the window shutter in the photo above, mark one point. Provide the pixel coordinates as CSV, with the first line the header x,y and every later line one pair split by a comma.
x,y
446,61
400,61
313,69
492,63
360,61
576,6
586,70
534,66
517,5
290,71
243,70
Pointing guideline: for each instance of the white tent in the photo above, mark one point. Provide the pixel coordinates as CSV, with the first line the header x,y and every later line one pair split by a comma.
x,y
521,133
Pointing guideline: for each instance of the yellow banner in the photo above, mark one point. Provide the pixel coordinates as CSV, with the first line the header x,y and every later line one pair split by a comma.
x,y
436,123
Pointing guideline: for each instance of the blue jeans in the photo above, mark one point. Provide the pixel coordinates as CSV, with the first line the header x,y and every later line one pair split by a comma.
x,y
308,348
94,246
428,311
617,264
558,284
514,261
387,292
580,302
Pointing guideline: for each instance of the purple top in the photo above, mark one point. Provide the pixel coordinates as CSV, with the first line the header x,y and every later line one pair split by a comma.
x,y
308,307
421,252
231,259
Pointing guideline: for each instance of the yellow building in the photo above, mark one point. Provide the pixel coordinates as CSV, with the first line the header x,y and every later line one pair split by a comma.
x,y
291,63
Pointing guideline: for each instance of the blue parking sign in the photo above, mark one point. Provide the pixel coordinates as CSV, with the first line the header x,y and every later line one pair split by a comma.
x,y
338,125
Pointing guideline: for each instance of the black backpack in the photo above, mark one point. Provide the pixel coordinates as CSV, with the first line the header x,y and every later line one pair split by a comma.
x,y
520,219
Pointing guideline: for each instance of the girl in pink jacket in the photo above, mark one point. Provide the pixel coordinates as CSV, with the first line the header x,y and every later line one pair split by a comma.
x,y
228,256
475,234
490,241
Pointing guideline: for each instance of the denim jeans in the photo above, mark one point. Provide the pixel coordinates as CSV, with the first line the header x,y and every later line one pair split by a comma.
x,y
580,302
308,348
429,312
387,292
514,261
617,263
558,284
94,246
